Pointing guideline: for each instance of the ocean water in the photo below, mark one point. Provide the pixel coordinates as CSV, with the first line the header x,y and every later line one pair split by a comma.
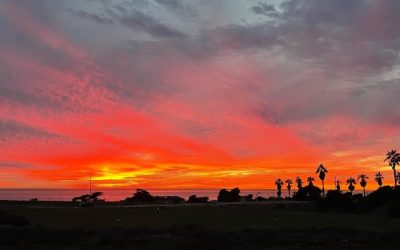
x,y
121,194
118,194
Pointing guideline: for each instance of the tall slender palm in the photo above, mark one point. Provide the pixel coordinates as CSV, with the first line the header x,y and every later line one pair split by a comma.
x,y
378,179
321,170
337,185
398,178
351,182
393,159
310,181
279,184
289,185
363,181
299,182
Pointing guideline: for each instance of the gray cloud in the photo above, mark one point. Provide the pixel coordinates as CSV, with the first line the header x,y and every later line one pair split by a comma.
x,y
341,40
265,9
11,164
174,4
11,130
131,16
101,19
140,21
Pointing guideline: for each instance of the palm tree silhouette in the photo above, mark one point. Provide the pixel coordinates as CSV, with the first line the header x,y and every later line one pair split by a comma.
x,y
321,170
279,184
289,185
351,182
378,179
299,182
310,181
393,159
363,181
337,185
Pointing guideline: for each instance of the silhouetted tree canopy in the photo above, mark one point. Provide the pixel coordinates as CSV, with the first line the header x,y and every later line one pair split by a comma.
x,y
88,199
95,196
393,159
229,196
195,199
168,199
309,192
141,195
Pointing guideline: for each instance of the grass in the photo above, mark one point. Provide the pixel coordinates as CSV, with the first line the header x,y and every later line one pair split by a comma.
x,y
270,225
209,216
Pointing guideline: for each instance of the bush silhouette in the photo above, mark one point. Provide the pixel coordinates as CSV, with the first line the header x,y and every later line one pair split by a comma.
x,y
385,196
87,200
309,192
195,199
141,195
229,196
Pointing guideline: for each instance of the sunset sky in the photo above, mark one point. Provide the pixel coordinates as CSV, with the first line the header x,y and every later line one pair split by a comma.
x,y
196,94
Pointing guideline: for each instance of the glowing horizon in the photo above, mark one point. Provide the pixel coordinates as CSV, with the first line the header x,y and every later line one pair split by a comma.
x,y
178,94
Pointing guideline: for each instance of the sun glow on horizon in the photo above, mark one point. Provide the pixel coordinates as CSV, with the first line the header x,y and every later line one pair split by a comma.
x,y
157,97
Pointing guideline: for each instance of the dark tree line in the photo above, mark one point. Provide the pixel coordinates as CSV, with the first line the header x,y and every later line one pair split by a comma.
x,y
392,157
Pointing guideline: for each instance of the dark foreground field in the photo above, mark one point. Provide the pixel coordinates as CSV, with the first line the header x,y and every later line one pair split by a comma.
x,y
270,225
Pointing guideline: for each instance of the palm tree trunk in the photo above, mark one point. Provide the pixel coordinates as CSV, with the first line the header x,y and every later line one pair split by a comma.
x,y
364,191
289,193
323,187
394,175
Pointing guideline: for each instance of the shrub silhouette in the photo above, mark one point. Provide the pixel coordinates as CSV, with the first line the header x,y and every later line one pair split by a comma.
x,y
383,196
88,198
142,196
249,197
82,198
168,199
229,196
309,192
337,200
195,199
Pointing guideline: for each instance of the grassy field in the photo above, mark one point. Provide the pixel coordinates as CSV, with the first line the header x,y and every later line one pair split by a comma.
x,y
251,226
211,216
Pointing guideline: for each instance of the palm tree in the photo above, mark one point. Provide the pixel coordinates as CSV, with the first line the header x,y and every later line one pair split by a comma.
x,y
378,178
363,181
321,170
351,182
310,181
289,185
279,184
398,178
337,185
299,182
393,159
